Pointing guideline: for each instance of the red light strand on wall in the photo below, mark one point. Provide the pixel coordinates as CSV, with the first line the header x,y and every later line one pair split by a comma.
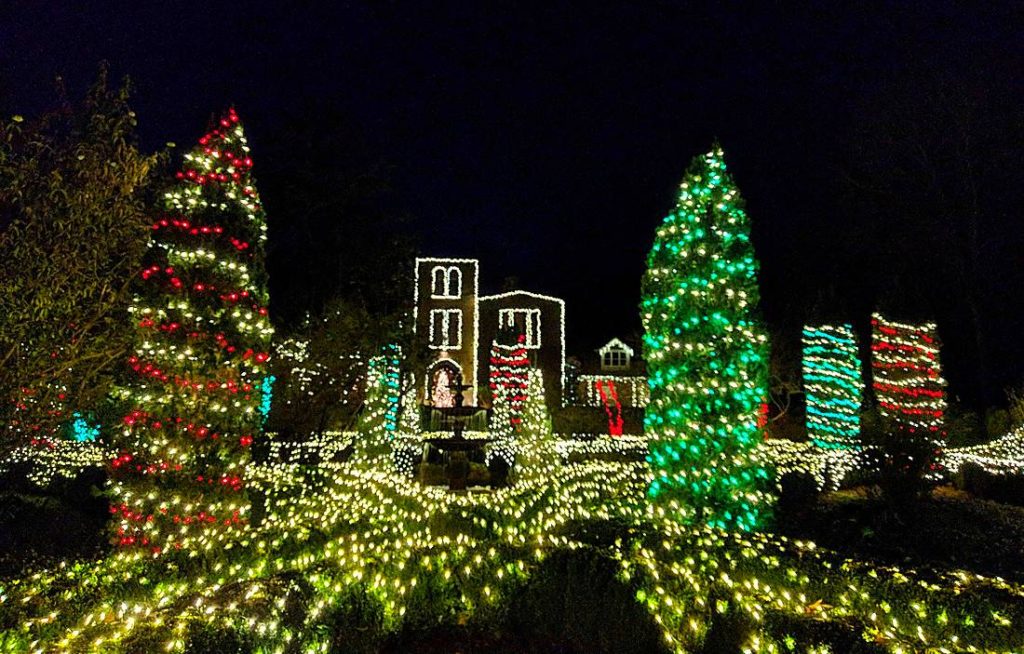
x,y
609,399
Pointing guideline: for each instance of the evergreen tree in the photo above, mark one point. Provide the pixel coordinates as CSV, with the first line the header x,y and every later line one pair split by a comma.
x,y
706,356
536,424
409,418
379,419
508,379
202,341
535,442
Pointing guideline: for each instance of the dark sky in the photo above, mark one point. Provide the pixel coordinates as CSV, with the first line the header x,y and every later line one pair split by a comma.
x,y
544,138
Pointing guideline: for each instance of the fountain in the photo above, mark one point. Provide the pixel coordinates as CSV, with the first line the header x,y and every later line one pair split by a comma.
x,y
458,447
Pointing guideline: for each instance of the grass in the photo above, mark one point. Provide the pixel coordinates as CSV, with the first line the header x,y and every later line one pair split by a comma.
x,y
950,528
353,559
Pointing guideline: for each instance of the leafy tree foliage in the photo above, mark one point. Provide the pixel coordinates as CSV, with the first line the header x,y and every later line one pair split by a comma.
x,y
321,365
73,189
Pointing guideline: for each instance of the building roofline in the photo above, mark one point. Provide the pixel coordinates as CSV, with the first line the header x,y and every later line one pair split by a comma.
x,y
612,343
539,296
447,260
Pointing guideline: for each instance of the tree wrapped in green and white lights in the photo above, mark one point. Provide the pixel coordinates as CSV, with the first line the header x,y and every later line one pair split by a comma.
x,y
706,356
378,422
200,359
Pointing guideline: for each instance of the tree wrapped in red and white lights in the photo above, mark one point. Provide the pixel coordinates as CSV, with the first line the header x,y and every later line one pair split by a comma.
x,y
908,379
509,376
203,338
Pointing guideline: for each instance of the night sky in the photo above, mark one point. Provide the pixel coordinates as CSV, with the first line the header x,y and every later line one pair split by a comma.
x,y
544,139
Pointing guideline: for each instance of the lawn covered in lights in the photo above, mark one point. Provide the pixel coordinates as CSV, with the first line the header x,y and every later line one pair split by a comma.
x,y
337,532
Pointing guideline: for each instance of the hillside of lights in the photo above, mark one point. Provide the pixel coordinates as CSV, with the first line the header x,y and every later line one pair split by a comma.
x,y
425,550
679,511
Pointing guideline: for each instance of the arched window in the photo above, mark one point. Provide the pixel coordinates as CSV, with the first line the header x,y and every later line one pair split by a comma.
x,y
454,286
442,378
446,282
439,281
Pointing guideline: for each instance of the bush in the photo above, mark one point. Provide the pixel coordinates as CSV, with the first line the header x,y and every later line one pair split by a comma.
x,y
799,493
979,482
1015,396
594,420
357,623
204,638
478,474
838,636
577,600
431,474
964,428
997,422
498,470
898,463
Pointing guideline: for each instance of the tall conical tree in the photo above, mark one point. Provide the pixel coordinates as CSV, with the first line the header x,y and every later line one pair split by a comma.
x,y
200,359
509,375
706,356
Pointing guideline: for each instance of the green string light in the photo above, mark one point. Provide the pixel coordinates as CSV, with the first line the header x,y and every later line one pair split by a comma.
x,y
706,356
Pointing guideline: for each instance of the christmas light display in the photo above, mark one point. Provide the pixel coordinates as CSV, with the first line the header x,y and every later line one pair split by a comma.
x,y
832,384
615,355
1002,456
82,430
378,421
57,460
320,447
305,376
373,418
469,376
409,419
612,407
37,416
378,538
829,467
266,396
636,389
445,329
508,381
536,454
333,530
500,422
178,479
392,388
445,282
908,376
589,445
529,319
561,325
441,395
706,356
